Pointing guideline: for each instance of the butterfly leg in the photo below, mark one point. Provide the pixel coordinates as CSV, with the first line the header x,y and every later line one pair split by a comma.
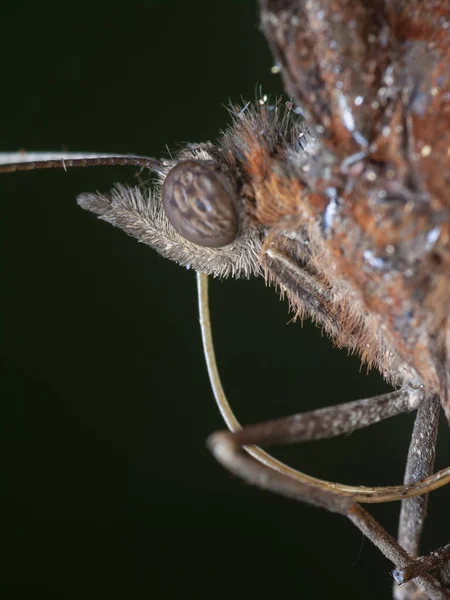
x,y
414,510
229,449
438,559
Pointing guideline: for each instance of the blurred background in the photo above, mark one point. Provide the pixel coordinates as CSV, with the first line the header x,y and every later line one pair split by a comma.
x,y
107,489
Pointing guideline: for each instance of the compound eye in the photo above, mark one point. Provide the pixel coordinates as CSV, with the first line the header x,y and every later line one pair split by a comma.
x,y
199,205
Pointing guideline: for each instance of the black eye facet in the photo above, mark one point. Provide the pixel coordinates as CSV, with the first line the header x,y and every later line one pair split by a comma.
x,y
199,205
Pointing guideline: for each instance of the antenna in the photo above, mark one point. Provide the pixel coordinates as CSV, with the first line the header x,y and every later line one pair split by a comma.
x,y
12,162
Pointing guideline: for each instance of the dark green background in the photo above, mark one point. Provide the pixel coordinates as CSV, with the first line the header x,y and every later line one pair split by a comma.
x,y
107,489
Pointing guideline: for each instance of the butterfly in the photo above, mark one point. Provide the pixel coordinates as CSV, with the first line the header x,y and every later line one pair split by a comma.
x,y
279,191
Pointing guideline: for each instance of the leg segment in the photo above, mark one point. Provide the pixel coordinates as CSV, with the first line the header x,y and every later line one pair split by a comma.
x,y
314,425
238,451
432,588
229,449
424,564
414,510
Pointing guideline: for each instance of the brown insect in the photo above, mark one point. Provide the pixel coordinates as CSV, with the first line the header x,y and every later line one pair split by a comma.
x,y
347,213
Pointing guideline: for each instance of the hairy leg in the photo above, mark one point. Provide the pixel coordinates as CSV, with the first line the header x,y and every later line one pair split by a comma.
x,y
238,451
229,449
414,510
